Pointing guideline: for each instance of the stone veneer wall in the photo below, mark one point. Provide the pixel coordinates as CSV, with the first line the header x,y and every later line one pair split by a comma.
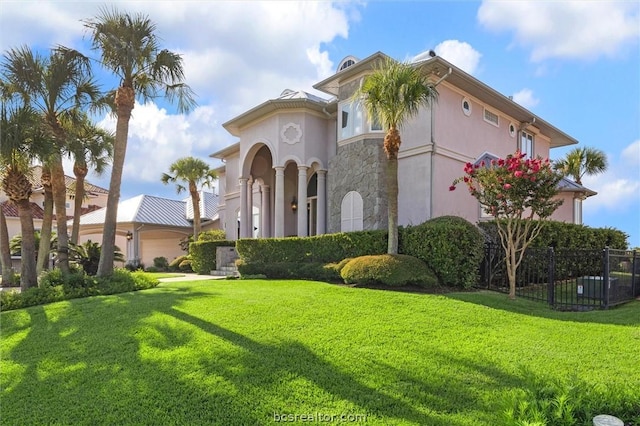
x,y
358,166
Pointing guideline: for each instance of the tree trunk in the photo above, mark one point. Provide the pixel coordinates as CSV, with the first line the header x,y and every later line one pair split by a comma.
x,y
47,222
80,171
392,192
28,276
5,253
125,97
511,270
60,199
195,200
391,147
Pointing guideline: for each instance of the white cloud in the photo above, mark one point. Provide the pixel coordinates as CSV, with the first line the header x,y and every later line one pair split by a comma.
x,y
631,154
568,29
157,139
459,53
526,98
236,56
618,188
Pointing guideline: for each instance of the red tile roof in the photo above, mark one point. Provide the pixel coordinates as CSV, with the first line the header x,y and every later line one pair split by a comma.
x,y
11,210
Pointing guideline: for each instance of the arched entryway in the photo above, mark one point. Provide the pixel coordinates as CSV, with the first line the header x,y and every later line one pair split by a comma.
x,y
286,198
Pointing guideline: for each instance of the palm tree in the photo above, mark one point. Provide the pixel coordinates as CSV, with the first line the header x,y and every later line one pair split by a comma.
x,y
89,146
195,173
21,139
129,48
392,94
56,86
5,252
47,220
582,161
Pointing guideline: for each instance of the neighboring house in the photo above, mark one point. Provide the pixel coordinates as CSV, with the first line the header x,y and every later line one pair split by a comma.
x,y
150,227
95,198
305,165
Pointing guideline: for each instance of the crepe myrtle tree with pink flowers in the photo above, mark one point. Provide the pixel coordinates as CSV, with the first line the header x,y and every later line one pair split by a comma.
x,y
519,193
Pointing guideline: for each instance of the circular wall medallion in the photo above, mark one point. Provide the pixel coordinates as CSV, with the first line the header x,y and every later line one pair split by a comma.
x,y
291,133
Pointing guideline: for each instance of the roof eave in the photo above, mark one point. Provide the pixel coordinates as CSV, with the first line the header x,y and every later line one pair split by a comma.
x,y
328,85
234,125
477,88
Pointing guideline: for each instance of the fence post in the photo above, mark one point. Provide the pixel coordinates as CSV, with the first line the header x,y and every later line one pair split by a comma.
x,y
633,274
605,277
550,276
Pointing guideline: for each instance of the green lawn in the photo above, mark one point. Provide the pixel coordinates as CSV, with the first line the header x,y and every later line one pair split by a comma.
x,y
244,352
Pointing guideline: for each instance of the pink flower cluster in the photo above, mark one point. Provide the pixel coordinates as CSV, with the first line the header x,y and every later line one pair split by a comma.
x,y
515,166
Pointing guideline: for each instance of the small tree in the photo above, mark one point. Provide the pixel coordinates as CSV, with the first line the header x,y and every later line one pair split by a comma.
x,y
515,191
195,173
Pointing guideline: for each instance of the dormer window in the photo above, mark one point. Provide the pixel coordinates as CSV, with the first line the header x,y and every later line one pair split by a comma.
x,y
347,62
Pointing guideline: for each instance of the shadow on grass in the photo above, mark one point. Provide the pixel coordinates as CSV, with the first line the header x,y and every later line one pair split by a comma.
x,y
81,363
267,364
626,314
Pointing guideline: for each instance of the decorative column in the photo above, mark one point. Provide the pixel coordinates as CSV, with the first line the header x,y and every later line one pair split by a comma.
x,y
244,210
302,201
279,207
265,213
250,208
321,216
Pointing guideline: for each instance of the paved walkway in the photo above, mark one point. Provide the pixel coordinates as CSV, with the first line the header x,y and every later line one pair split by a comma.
x,y
192,277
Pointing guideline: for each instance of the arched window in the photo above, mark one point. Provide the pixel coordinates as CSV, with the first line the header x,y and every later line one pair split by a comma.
x,y
351,212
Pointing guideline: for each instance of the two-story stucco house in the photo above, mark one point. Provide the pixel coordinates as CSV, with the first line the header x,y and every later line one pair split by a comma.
x,y
305,165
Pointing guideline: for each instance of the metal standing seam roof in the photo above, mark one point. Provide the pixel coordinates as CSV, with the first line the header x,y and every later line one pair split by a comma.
x,y
208,205
144,209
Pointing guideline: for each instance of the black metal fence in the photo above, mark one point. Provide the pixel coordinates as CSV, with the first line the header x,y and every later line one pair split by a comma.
x,y
567,279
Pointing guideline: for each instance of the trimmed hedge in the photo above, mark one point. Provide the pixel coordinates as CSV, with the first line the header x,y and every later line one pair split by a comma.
x,y
451,247
387,269
54,287
203,255
323,249
291,270
568,235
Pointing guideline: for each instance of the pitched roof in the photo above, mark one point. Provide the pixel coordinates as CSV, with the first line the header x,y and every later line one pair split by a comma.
x,y
288,99
567,185
144,209
11,210
459,78
70,183
208,206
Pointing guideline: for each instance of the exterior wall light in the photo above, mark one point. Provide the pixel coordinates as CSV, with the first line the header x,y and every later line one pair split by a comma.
x,y
294,205
129,236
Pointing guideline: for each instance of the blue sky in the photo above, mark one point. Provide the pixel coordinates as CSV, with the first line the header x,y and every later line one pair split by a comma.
x,y
574,63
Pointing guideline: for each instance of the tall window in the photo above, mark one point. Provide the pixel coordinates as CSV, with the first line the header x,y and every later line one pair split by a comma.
x,y
351,119
351,212
526,144
577,211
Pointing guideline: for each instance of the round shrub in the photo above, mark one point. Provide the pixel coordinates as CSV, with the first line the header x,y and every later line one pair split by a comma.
x,y
450,246
387,269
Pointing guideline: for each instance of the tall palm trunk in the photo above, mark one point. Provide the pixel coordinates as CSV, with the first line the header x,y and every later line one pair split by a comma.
x,y
125,98
391,147
28,275
18,188
5,252
45,231
80,171
60,200
195,200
